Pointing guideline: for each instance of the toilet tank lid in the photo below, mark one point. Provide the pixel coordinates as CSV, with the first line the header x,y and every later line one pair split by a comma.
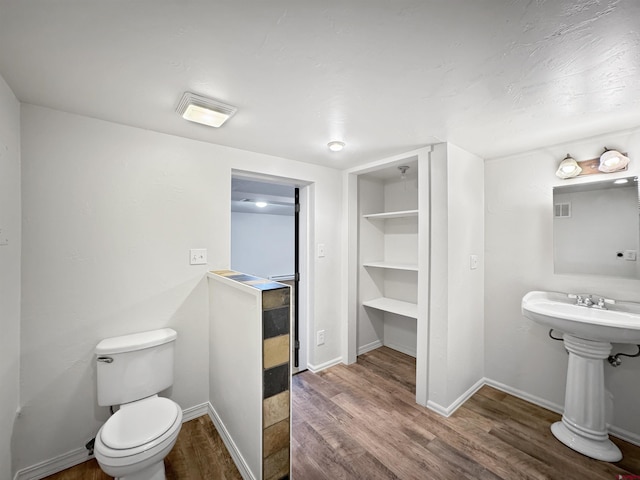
x,y
136,341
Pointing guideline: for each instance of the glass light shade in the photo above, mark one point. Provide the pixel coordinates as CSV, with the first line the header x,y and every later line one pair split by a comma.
x,y
568,168
205,116
335,146
612,161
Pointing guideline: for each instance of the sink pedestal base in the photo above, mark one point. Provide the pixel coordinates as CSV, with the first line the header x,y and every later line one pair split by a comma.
x,y
583,427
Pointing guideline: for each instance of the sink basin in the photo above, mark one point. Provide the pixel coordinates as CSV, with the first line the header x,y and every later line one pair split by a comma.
x,y
619,324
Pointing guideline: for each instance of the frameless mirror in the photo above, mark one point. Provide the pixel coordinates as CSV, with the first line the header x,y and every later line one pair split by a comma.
x,y
596,228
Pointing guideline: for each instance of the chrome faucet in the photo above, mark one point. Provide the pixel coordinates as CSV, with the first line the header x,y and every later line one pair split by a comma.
x,y
602,303
587,301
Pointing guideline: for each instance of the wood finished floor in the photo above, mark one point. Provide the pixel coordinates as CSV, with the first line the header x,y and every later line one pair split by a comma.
x,y
361,422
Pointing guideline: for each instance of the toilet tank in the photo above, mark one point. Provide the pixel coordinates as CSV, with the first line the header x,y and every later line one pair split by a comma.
x,y
132,367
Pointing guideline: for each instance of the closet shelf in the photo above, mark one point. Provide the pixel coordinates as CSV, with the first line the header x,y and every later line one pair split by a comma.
x,y
392,265
400,214
393,306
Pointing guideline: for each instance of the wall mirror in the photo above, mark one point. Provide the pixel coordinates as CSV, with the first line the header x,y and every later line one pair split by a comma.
x,y
596,228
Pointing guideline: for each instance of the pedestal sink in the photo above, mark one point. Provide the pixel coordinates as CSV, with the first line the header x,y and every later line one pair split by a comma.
x,y
587,333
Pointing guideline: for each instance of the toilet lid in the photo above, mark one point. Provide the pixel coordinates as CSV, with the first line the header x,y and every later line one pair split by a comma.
x,y
139,423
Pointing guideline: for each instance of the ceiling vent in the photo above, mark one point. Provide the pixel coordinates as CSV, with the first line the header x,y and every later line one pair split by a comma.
x,y
206,111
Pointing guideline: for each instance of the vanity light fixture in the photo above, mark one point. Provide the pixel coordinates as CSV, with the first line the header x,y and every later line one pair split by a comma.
x,y
206,111
612,161
336,146
568,168
261,204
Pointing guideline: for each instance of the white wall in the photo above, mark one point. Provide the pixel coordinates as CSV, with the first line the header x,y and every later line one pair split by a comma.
x,y
9,270
262,245
456,322
519,258
110,213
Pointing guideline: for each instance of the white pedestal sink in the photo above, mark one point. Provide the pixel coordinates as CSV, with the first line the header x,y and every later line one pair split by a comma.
x,y
588,333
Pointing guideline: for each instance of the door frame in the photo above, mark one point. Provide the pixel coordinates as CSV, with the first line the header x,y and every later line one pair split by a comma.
x,y
305,245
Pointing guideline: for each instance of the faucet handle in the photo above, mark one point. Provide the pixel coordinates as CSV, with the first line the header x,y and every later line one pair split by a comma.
x,y
602,301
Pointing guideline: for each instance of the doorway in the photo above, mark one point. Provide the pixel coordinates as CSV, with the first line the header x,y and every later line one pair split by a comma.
x,y
268,239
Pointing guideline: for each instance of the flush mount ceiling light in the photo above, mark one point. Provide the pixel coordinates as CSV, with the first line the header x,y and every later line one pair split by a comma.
x,y
206,111
612,161
568,168
335,146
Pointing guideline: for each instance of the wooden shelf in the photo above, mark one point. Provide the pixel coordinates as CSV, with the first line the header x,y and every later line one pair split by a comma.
x,y
403,213
392,265
393,306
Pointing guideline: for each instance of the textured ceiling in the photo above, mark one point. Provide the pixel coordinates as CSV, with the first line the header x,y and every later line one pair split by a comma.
x,y
492,76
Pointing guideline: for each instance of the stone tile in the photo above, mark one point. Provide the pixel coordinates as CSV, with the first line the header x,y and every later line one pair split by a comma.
x,y
275,380
276,408
275,298
243,278
269,286
276,322
276,438
276,351
276,466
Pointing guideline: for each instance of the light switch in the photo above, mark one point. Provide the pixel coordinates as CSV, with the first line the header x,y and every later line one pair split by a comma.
x,y
630,255
321,250
473,262
198,256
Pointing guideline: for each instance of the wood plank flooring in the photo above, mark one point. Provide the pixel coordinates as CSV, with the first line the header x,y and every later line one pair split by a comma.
x,y
361,422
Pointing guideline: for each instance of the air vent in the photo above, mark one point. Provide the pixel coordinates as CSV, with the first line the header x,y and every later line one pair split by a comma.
x,y
562,210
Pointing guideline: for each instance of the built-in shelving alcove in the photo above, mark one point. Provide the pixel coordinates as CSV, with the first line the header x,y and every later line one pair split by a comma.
x,y
388,258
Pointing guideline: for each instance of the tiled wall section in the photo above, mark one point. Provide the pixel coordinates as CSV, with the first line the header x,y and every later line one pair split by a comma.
x,y
276,374
276,421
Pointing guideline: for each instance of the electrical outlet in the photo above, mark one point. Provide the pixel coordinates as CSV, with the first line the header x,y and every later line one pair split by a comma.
x,y
473,262
322,250
320,337
198,256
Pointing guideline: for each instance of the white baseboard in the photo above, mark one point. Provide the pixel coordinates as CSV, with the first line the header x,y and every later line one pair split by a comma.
x,y
238,459
81,455
541,402
621,433
195,412
411,351
54,465
448,411
325,365
369,346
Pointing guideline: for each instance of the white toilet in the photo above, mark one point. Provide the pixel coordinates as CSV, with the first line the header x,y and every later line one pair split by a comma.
x,y
132,369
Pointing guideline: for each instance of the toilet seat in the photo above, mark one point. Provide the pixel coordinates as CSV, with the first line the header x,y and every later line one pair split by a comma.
x,y
139,423
151,424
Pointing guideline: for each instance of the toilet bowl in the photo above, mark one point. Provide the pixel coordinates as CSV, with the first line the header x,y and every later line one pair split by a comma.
x,y
132,444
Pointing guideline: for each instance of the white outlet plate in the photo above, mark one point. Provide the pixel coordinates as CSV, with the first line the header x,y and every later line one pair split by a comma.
x,y
198,256
473,262
322,251
320,337
630,255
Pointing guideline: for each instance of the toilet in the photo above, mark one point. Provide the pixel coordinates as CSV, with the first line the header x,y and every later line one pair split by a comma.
x,y
131,371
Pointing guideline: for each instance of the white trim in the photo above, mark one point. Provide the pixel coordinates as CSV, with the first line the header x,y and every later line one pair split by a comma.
x,y
541,402
81,455
447,411
625,435
411,351
325,365
618,432
195,412
369,347
54,465
238,459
